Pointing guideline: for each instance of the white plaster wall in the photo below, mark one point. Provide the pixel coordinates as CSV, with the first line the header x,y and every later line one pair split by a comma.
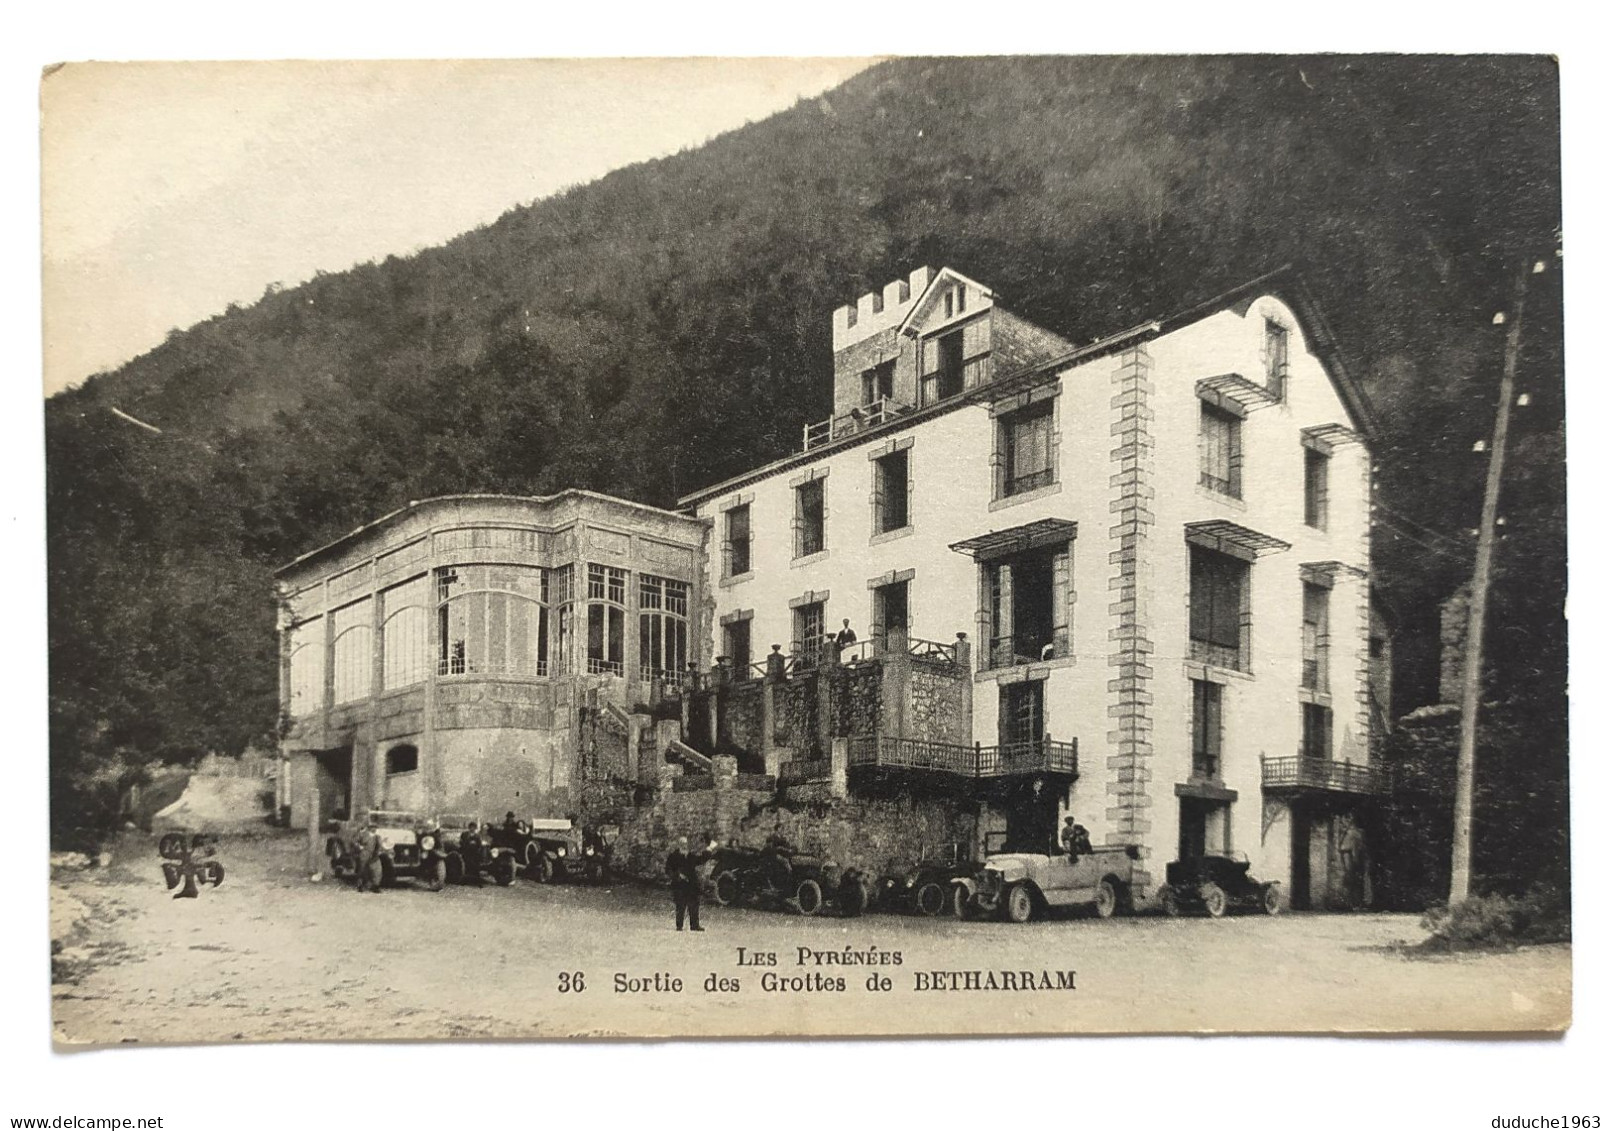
x,y
951,500
1261,712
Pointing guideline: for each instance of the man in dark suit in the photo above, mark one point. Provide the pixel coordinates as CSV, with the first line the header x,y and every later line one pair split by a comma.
x,y
683,868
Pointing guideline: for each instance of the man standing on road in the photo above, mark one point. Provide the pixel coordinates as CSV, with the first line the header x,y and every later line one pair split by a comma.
x,y
683,868
370,872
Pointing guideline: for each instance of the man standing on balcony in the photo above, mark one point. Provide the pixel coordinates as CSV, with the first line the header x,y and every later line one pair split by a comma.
x,y
845,638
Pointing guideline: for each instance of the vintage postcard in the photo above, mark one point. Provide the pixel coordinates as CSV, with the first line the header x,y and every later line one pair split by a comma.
x,y
795,547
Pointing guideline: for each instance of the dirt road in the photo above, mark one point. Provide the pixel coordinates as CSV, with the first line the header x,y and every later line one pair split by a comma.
x,y
271,956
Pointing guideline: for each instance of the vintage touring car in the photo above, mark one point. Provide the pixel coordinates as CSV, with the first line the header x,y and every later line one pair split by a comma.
x,y
925,887
777,876
410,847
473,852
1214,885
1019,885
552,848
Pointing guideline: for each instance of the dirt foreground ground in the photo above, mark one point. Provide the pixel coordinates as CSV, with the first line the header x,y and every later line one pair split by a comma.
x,y
270,956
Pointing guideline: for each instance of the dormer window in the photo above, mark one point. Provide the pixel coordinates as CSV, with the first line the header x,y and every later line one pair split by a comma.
x,y
962,299
950,303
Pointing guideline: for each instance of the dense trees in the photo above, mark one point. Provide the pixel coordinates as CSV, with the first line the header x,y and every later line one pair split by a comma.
x,y
667,326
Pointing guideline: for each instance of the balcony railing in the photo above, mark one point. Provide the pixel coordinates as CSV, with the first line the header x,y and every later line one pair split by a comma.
x,y
1028,648
1297,772
597,666
458,665
856,420
1216,655
1034,757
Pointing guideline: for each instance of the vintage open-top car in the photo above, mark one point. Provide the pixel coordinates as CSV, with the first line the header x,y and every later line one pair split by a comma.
x,y
1214,885
552,848
410,847
1019,885
472,852
778,876
925,887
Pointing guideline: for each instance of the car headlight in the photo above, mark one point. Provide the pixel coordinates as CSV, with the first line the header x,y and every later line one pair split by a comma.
x,y
561,851
427,842
587,851
911,879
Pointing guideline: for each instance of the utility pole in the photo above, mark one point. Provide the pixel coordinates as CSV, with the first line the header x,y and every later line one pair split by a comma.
x,y
1471,691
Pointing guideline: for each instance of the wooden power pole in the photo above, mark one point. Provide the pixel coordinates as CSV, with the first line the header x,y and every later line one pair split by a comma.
x,y
1477,612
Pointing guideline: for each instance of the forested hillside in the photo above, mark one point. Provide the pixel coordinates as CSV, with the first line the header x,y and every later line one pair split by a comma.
x,y
668,325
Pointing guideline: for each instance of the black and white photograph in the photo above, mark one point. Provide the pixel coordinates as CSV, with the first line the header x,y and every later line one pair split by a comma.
x,y
619,549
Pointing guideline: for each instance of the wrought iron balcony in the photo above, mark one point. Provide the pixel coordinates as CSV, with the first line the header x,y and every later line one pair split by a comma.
x,y
1007,759
1298,773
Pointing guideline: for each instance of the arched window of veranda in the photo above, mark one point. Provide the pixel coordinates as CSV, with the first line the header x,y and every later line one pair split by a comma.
x,y
492,620
405,633
306,647
352,631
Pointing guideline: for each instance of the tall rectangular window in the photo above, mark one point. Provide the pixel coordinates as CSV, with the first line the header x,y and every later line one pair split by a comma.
x,y
1026,448
1022,720
1219,609
878,383
563,595
606,620
1316,636
1027,603
891,612
737,541
943,367
1316,732
736,647
891,492
1219,451
809,632
810,513
1207,728
1276,345
1316,486
662,627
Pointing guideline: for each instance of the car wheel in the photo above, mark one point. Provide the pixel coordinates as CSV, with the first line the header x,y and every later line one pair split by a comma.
x,y
504,870
1214,901
1020,904
1107,900
1170,902
436,874
534,856
543,870
961,902
725,890
807,898
1272,899
930,899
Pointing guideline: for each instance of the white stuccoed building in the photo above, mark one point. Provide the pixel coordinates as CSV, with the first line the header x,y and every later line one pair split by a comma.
x,y
1155,547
